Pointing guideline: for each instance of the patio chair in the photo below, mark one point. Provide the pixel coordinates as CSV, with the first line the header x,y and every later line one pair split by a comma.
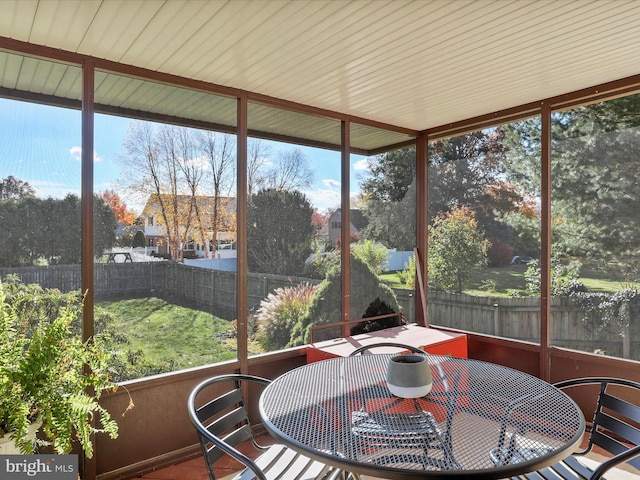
x,y
420,430
222,424
615,429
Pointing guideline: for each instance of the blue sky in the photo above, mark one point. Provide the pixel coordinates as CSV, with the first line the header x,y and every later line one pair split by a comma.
x,y
41,145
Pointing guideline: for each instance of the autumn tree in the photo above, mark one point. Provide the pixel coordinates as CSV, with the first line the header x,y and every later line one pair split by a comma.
x,y
467,171
192,173
178,168
464,171
189,176
119,208
319,220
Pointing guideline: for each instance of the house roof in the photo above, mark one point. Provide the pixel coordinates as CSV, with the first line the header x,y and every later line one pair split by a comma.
x,y
206,205
413,64
356,217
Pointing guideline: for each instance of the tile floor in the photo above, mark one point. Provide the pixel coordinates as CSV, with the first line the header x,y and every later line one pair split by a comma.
x,y
196,469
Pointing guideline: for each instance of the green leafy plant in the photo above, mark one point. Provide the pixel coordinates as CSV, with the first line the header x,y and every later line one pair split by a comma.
x,y
408,275
47,374
564,277
372,254
604,309
456,249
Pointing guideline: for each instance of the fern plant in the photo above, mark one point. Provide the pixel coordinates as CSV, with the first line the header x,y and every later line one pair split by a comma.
x,y
47,374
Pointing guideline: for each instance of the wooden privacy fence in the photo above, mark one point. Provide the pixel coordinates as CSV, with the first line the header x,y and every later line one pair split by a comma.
x,y
212,290
215,291
519,318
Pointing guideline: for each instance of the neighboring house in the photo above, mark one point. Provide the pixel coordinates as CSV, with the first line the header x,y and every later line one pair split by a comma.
x,y
193,221
357,222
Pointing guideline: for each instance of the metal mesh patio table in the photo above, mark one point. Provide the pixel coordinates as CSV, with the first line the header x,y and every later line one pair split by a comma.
x,y
480,420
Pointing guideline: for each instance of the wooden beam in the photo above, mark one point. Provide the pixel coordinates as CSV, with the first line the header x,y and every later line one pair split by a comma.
x,y
545,243
345,230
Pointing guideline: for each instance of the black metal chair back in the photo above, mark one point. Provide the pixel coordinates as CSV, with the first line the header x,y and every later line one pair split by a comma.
x,y
615,428
222,422
401,346
616,419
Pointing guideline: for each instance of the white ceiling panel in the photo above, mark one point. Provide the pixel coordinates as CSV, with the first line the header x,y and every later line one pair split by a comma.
x,y
416,64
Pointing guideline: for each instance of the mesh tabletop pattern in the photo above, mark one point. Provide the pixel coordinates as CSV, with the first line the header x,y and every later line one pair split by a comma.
x,y
480,420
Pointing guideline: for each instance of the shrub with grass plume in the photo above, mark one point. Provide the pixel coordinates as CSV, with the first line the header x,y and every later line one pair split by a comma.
x,y
279,312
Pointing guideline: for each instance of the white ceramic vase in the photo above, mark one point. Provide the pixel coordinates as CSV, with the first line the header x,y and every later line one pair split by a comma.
x,y
409,376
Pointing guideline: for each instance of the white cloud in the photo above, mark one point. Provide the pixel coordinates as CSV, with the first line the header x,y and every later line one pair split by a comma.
x,y
331,183
361,164
76,153
49,189
200,162
323,199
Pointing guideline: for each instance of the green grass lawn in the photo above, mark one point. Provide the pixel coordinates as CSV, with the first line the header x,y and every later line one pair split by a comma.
x,y
503,281
167,332
184,337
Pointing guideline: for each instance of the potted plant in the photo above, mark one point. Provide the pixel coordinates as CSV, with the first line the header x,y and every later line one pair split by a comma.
x,y
49,378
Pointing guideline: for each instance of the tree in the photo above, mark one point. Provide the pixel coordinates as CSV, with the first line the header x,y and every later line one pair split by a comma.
x,y
468,171
104,227
151,169
319,220
594,169
190,166
13,239
138,239
464,171
49,229
390,175
279,232
12,188
155,164
257,160
389,199
219,150
118,207
186,173
596,195
290,172
456,249
392,223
